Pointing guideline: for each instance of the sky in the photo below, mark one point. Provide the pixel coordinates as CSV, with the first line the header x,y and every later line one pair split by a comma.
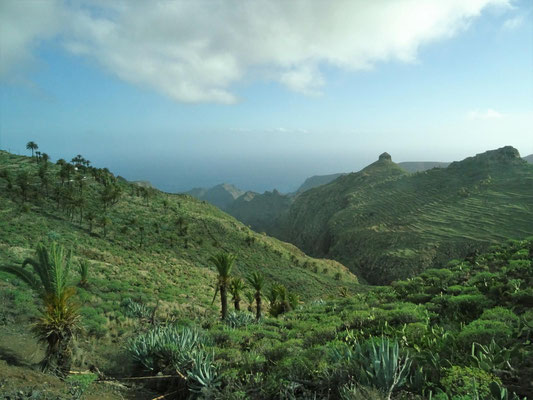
x,y
263,94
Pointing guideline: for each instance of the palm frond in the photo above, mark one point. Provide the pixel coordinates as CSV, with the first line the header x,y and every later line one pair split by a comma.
x,y
24,275
256,280
223,263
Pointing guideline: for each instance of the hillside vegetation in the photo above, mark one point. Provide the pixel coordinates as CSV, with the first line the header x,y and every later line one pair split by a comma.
x,y
140,243
386,224
461,332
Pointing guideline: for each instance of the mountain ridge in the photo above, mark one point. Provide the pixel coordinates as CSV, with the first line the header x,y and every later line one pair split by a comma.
x,y
413,219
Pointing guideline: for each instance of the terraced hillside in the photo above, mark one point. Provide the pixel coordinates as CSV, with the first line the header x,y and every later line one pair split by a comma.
x,y
142,242
386,224
419,166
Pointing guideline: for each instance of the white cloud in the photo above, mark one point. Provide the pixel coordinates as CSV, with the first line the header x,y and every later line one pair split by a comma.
x,y
513,23
305,79
22,25
194,51
485,114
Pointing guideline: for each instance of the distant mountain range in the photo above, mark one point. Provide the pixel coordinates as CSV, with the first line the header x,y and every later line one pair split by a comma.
x,y
261,211
220,195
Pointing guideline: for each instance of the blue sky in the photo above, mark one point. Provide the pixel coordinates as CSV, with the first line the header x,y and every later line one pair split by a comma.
x,y
172,95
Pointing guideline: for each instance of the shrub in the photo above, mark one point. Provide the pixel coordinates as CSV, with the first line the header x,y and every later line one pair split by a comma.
x,y
523,298
78,384
467,306
501,314
437,278
519,268
464,381
484,281
483,332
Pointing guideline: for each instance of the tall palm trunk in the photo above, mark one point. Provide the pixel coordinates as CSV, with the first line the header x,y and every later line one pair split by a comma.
x,y
258,305
224,299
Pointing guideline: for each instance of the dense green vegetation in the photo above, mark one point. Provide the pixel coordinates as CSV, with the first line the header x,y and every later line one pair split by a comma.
x,y
459,332
172,289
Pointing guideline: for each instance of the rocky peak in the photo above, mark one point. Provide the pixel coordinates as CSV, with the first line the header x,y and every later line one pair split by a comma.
x,y
385,156
503,155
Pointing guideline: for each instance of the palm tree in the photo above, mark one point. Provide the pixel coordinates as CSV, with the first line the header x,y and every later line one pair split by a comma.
x,y
235,288
43,175
250,298
281,300
90,218
224,264
60,319
257,281
32,146
23,180
104,222
141,231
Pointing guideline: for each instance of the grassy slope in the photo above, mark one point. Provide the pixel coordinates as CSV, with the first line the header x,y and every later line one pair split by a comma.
x,y
387,224
179,276
163,269
317,180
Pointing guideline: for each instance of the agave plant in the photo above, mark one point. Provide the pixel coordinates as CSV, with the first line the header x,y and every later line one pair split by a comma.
x,y
377,363
166,348
387,369
182,351
203,377
136,309
239,319
60,319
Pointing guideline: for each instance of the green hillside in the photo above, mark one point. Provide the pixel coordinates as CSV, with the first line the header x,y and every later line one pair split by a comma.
x,y
387,224
142,243
317,180
419,166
